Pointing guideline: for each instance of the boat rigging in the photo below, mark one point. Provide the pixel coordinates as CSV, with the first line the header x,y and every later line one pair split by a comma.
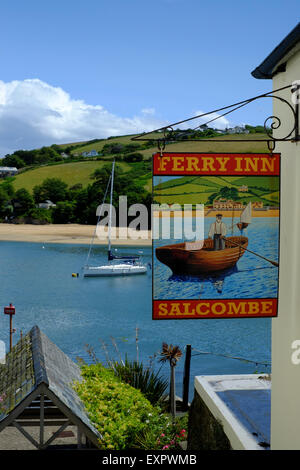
x,y
117,265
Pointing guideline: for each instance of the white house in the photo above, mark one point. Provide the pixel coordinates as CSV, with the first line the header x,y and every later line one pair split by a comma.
x,y
8,171
46,205
237,130
91,153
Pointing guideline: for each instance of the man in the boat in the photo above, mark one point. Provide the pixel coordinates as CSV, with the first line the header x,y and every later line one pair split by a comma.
x,y
217,232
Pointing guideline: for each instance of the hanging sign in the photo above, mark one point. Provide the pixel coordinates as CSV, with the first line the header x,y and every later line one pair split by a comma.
x,y
215,235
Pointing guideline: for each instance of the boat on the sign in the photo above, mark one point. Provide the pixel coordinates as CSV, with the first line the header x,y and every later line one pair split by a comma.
x,y
200,258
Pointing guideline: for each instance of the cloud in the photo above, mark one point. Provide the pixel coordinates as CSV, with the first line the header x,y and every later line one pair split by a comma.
x,y
34,113
148,111
218,123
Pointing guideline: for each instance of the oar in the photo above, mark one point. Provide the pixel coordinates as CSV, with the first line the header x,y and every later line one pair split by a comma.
x,y
256,254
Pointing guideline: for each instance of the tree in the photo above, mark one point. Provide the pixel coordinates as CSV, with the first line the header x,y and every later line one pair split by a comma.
x,y
23,201
101,175
8,188
4,200
133,157
53,189
42,215
13,160
63,212
172,354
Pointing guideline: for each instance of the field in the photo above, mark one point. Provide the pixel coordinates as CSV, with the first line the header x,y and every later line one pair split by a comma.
x,y
98,146
238,146
197,190
70,173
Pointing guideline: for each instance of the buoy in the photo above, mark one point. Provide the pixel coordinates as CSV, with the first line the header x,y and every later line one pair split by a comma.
x,y
75,274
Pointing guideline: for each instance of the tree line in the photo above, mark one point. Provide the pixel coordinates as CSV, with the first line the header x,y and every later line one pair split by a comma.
x,y
54,154
73,204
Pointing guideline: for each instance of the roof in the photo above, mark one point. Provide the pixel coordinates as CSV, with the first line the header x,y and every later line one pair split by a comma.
x,y
17,377
8,168
266,69
36,361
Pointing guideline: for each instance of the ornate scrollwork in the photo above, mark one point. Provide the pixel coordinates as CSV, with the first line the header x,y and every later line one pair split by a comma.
x,y
168,132
276,121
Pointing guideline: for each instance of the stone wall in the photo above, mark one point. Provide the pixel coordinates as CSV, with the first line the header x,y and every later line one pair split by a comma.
x,y
205,432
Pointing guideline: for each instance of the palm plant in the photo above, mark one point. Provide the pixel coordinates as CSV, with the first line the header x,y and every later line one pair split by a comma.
x,y
135,374
172,354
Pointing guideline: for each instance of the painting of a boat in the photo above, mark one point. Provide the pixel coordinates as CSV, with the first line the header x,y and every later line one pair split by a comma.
x,y
200,257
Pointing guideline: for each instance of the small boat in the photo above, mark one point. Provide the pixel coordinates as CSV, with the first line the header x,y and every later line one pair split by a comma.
x,y
200,258
117,265
246,217
121,269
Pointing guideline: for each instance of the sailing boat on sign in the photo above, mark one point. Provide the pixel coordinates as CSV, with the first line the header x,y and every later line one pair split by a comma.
x,y
117,265
245,218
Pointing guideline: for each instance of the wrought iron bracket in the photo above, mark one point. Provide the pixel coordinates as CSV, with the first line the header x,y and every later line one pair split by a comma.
x,y
167,134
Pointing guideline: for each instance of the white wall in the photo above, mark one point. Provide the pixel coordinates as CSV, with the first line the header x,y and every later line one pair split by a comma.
x,y
285,402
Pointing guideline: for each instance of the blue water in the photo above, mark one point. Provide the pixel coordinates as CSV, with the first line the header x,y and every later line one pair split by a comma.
x,y
252,277
74,312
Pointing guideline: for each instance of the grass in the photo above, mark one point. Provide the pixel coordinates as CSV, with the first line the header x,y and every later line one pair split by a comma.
x,y
86,147
198,189
70,173
239,146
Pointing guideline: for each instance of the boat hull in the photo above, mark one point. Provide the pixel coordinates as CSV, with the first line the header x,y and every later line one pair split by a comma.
x,y
114,270
183,260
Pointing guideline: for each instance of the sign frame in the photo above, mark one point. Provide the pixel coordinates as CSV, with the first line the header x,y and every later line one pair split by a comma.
x,y
202,164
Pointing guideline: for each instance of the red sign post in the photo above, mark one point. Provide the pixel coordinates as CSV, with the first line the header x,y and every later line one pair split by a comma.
x,y
10,311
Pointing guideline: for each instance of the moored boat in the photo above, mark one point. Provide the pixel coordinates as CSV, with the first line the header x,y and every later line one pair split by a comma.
x,y
117,265
200,258
122,269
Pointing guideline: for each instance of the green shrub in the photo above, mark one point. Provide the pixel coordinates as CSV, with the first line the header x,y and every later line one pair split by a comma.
x,y
118,411
123,416
42,215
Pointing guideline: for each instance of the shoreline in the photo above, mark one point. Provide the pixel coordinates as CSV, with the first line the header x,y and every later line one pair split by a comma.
x,y
83,234
69,233
212,213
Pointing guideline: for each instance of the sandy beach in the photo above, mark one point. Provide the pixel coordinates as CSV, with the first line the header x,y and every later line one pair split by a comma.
x,y
83,234
68,233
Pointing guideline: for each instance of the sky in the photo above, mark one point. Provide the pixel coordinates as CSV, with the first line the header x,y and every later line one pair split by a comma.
x,y
73,70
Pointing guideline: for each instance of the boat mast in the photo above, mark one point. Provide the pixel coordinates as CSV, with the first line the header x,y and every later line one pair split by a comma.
x,y
110,206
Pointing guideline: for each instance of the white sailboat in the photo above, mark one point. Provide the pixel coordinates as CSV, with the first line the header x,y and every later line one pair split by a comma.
x,y
117,265
246,217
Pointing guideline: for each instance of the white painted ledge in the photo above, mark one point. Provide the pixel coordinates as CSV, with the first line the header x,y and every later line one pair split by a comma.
x,y
242,404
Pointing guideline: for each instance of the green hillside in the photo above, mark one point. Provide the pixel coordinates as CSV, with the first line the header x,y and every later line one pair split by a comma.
x,y
71,173
188,146
76,184
205,189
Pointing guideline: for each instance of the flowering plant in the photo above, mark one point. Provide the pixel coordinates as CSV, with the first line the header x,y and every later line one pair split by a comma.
x,y
173,443
163,434
2,406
